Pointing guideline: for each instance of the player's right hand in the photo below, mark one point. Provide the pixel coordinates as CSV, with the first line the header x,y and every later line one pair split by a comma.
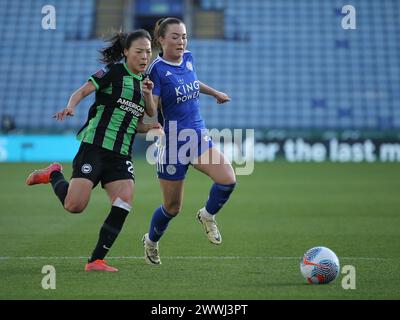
x,y
157,127
147,86
64,113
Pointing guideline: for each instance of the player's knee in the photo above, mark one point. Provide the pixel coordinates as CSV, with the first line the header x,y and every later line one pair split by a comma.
x,y
173,207
126,198
229,178
123,202
74,207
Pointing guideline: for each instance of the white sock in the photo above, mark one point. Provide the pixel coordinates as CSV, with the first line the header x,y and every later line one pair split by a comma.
x,y
208,216
152,243
122,204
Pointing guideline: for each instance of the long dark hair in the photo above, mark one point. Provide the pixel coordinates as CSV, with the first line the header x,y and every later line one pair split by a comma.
x,y
161,28
120,41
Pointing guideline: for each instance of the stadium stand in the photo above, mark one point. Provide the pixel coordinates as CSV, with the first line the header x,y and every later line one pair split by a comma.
x,y
286,64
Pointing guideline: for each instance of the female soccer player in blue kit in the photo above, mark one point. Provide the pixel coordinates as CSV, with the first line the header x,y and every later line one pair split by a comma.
x,y
176,93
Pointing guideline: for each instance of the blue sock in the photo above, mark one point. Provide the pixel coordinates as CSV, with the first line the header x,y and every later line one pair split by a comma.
x,y
219,194
159,222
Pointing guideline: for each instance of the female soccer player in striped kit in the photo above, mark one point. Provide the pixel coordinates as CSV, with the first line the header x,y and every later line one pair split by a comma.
x,y
176,92
122,97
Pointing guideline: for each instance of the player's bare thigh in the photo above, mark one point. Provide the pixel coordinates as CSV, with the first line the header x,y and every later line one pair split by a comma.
x,y
78,195
123,189
214,164
172,194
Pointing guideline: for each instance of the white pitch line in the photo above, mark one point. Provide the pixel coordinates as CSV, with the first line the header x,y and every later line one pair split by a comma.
x,y
184,258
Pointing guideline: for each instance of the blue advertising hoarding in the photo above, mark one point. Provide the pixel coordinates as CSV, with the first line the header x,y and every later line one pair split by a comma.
x,y
36,148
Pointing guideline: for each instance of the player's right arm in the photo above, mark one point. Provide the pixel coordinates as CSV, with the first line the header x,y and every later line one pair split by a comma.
x,y
149,103
146,127
102,78
74,100
156,90
156,100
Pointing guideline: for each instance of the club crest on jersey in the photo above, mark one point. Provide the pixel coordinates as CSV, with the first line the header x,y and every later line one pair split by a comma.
x,y
189,65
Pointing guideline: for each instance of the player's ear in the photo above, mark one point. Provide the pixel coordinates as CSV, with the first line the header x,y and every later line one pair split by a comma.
x,y
161,41
125,52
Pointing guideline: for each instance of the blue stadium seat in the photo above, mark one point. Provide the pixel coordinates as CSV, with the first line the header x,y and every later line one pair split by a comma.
x,y
286,64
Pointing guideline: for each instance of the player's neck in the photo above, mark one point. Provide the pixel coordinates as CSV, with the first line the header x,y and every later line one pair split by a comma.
x,y
132,69
172,59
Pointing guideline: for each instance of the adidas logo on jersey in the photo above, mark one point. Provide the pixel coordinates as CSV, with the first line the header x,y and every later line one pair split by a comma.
x,y
168,73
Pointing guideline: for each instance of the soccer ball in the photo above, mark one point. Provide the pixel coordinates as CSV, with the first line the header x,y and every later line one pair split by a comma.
x,y
319,265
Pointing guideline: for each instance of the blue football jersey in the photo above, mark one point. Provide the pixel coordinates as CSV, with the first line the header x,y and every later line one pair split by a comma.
x,y
178,88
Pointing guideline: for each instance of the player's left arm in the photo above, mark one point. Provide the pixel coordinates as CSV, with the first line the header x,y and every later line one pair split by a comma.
x,y
221,97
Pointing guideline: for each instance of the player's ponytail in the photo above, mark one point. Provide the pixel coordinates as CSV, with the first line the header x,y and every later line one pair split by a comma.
x,y
119,42
160,29
115,51
156,33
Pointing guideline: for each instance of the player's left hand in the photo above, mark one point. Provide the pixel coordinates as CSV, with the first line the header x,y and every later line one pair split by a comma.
x,y
222,97
147,86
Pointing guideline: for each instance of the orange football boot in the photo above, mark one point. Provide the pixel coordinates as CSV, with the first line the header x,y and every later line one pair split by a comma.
x,y
99,265
42,175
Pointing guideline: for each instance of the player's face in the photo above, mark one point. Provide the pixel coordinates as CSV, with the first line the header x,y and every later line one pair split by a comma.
x,y
175,41
138,55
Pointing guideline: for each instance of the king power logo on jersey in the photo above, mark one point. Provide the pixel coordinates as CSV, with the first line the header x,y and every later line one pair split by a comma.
x,y
187,91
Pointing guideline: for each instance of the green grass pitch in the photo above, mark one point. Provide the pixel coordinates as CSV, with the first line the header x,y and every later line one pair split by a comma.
x,y
274,216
